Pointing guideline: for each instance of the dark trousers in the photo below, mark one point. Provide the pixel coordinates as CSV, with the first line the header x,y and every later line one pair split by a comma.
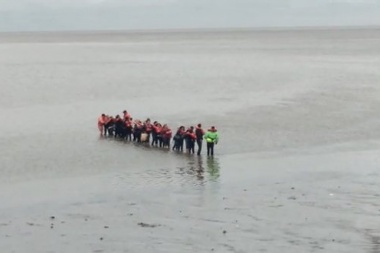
x,y
199,144
190,146
210,148
159,140
128,134
137,136
154,138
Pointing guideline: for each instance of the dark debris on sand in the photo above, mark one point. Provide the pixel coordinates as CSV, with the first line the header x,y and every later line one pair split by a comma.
x,y
146,225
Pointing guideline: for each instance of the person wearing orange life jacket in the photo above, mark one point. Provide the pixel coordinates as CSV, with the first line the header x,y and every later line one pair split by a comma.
x,y
106,124
199,132
212,137
101,122
190,138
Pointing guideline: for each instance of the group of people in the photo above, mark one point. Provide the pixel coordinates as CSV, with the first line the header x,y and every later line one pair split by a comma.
x,y
157,134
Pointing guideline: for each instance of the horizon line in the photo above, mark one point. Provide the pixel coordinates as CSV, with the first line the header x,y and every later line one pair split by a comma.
x,y
195,29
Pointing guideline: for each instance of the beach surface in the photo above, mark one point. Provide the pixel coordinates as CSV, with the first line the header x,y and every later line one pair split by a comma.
x,y
296,169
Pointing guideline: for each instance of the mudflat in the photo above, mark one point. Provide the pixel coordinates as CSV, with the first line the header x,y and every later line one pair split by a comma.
x,y
296,169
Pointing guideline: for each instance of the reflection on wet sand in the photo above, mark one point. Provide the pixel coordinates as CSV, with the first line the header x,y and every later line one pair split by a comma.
x,y
213,167
198,165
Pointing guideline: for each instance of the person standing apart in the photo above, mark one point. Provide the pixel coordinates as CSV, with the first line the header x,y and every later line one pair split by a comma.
x,y
212,138
101,122
199,133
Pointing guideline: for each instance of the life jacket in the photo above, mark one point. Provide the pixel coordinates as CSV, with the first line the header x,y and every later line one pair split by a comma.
x,y
191,135
127,116
128,123
107,120
148,127
138,125
211,136
168,133
199,133
101,120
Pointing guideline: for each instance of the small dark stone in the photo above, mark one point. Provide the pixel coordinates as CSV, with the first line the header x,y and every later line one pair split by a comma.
x,y
106,227
85,219
224,231
101,238
292,188
333,240
245,190
52,217
212,249
292,198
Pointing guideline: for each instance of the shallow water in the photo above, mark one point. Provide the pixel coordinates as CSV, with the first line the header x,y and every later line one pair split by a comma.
x,y
295,170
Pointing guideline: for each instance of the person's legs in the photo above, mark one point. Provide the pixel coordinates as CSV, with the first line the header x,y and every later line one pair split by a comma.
x,y
159,138
100,127
154,138
208,148
212,148
139,137
106,129
199,143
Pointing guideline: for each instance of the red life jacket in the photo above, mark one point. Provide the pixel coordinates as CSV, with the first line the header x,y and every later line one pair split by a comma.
x,y
148,127
127,116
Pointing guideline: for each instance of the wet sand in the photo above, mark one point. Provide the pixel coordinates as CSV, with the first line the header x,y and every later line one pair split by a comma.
x,y
296,169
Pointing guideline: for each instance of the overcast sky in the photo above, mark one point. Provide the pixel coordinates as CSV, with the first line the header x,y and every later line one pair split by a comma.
x,y
42,15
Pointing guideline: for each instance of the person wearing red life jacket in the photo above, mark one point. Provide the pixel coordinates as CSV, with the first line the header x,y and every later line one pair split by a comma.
x,y
129,128
101,122
147,128
190,138
126,115
166,136
154,133
178,139
137,130
159,134
119,127
110,125
199,132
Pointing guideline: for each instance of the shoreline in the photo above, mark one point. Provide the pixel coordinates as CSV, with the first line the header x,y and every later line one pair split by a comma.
x,y
146,34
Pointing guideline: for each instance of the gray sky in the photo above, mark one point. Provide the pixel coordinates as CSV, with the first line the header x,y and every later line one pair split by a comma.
x,y
40,15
